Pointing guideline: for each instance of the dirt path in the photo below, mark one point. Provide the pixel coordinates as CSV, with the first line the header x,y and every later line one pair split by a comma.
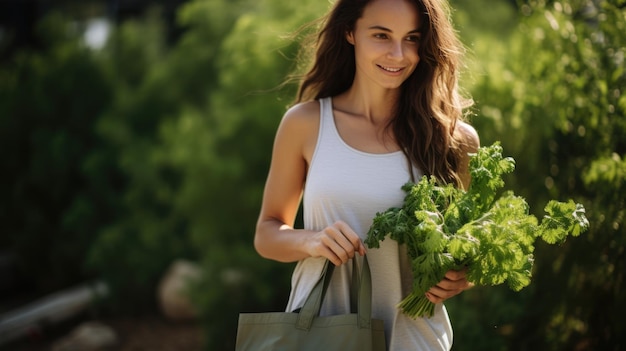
x,y
135,334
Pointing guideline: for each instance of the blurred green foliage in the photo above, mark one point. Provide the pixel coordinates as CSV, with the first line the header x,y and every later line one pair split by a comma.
x,y
51,205
554,97
117,161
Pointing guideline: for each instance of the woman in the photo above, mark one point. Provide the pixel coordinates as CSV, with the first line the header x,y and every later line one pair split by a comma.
x,y
379,107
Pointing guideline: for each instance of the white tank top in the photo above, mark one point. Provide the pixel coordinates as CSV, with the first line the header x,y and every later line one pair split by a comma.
x,y
346,184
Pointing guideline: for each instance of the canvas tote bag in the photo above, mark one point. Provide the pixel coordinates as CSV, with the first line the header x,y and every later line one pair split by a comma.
x,y
305,330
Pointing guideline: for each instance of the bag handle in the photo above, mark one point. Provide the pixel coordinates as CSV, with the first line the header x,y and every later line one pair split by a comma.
x,y
313,303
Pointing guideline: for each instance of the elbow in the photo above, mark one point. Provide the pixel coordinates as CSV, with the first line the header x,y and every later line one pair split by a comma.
x,y
259,243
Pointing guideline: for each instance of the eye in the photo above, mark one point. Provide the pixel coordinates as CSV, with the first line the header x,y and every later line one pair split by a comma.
x,y
380,36
413,38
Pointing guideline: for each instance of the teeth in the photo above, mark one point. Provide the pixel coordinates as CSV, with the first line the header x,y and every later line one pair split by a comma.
x,y
389,69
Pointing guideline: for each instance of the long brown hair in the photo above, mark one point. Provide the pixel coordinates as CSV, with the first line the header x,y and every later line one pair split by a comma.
x,y
429,105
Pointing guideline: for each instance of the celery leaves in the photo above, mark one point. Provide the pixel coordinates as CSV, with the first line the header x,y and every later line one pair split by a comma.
x,y
491,234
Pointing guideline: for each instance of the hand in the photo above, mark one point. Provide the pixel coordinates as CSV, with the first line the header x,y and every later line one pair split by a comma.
x,y
337,242
453,283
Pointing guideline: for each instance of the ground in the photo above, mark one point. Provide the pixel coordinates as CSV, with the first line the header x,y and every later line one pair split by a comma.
x,y
149,333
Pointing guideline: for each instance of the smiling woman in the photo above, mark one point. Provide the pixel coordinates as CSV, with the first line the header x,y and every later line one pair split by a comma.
x,y
386,40
378,107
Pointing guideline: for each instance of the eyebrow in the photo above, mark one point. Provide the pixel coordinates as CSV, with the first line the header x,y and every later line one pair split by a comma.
x,y
385,29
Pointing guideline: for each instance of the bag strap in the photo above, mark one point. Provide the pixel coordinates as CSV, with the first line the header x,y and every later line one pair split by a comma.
x,y
361,287
354,286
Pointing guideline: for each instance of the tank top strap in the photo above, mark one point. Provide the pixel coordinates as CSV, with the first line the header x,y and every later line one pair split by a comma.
x,y
326,108
328,137
326,117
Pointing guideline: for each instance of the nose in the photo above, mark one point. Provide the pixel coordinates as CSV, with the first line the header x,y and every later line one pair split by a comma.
x,y
396,50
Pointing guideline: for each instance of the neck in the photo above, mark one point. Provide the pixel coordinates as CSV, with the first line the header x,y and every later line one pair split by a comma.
x,y
375,105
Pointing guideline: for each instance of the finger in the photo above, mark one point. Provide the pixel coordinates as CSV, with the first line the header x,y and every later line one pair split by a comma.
x,y
432,298
330,255
456,275
339,238
332,241
351,236
439,295
362,249
343,247
454,285
447,284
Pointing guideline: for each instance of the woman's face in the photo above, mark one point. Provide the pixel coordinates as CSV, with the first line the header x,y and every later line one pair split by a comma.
x,y
386,39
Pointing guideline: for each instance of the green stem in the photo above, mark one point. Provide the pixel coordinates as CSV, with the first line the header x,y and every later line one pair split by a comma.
x,y
417,305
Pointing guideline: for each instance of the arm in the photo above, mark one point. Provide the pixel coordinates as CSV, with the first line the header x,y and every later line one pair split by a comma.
x,y
455,282
275,238
470,143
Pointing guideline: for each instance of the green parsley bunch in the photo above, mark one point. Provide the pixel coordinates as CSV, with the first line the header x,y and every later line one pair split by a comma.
x,y
493,236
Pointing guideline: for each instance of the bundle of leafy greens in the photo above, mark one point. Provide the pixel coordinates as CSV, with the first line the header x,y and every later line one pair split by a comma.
x,y
491,234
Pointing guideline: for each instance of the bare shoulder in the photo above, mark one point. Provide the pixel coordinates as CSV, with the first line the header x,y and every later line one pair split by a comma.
x,y
470,141
302,114
299,127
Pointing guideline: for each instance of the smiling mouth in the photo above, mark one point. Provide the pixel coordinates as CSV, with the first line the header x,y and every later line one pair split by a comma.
x,y
390,69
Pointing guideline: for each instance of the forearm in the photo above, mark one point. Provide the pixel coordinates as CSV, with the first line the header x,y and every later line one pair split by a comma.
x,y
280,242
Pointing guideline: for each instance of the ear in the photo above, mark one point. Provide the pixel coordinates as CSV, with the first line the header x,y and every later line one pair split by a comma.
x,y
350,37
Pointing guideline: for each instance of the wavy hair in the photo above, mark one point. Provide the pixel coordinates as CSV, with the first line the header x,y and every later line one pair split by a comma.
x,y
429,105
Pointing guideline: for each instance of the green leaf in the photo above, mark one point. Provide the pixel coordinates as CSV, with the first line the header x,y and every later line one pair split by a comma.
x,y
518,280
463,247
562,219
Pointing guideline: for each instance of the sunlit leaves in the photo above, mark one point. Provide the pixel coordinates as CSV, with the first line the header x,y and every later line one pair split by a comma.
x,y
563,215
451,229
